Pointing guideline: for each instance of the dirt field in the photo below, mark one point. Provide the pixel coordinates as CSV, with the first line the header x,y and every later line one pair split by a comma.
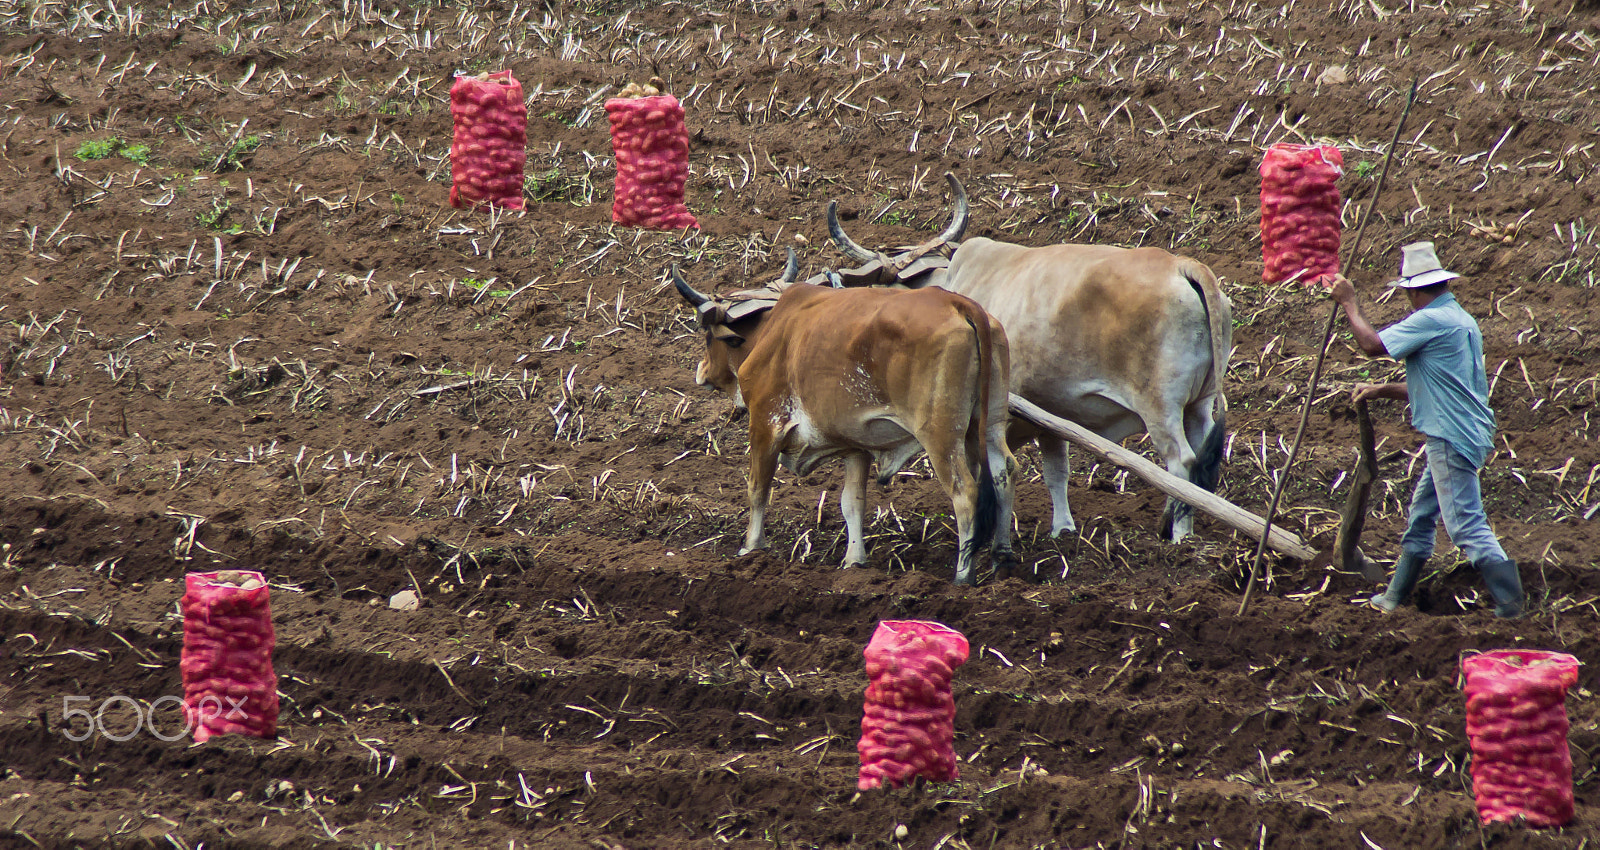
x,y
244,329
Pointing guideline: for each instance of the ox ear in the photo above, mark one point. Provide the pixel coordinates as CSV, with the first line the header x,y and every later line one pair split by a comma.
x,y
726,336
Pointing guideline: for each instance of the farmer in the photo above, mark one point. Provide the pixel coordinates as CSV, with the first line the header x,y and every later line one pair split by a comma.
x,y
1445,383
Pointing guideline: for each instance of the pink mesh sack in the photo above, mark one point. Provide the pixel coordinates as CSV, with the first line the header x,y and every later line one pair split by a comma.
x,y
490,145
228,683
652,149
1300,212
1517,726
908,723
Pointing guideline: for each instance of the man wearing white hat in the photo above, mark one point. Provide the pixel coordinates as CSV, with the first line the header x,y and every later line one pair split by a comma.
x,y
1449,394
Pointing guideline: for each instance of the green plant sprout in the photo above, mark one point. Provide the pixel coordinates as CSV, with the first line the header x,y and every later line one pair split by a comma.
x,y
98,148
213,218
242,148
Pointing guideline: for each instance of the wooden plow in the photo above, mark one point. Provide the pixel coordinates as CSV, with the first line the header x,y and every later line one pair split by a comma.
x,y
1238,518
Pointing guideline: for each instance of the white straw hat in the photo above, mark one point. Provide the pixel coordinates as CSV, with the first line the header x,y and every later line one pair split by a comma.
x,y
1419,266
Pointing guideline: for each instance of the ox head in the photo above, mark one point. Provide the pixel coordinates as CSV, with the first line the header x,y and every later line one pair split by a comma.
x,y
950,238
730,325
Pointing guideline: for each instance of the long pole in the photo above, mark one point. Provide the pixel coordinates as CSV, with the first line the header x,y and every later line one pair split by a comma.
x,y
1322,355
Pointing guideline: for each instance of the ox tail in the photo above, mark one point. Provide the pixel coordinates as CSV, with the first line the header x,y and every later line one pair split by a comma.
x,y
1207,472
987,519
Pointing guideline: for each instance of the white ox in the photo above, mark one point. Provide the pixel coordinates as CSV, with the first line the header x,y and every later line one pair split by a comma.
x,y
1115,339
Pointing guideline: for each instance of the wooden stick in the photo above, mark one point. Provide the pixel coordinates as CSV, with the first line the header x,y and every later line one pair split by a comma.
x,y
1347,545
1322,352
1235,516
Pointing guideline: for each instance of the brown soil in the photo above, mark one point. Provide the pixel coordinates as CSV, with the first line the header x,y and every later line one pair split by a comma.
x,y
272,345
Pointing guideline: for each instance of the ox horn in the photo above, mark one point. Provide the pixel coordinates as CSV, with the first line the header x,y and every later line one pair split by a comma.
x,y
958,219
845,243
695,298
791,270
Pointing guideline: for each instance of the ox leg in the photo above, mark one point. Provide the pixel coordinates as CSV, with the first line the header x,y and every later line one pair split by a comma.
x,y
1198,461
1004,466
1178,515
763,465
958,483
853,504
1053,456
1177,518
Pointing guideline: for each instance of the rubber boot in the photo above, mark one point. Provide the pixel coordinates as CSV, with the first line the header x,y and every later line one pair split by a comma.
x,y
1505,585
1406,572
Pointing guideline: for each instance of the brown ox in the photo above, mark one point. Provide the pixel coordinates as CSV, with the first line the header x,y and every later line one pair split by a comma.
x,y
1116,339
866,374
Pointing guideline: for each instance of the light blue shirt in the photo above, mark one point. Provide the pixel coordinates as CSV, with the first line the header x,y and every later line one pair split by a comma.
x,y
1443,352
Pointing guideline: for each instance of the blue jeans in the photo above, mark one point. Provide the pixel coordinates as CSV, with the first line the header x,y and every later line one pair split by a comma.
x,y
1449,488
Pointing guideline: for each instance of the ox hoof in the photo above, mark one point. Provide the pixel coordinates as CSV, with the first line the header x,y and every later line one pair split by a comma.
x,y
1057,533
1007,565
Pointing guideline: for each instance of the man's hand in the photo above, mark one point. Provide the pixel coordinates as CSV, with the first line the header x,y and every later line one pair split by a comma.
x,y
1340,289
1363,392
1343,292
